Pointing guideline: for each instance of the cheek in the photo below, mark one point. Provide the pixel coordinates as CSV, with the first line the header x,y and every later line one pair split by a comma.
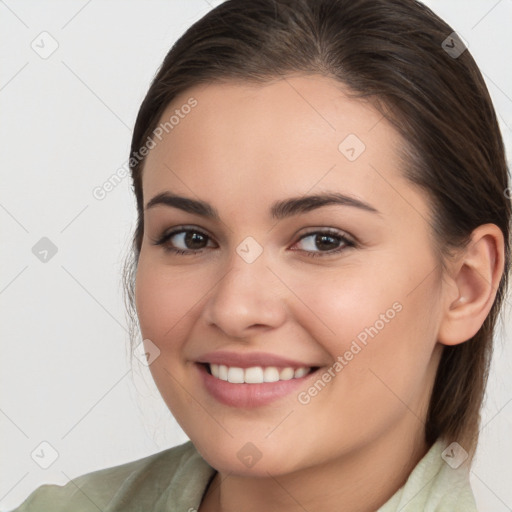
x,y
338,307
164,300
385,340
379,328
165,307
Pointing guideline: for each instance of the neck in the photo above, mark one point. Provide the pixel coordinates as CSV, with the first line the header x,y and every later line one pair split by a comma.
x,y
361,481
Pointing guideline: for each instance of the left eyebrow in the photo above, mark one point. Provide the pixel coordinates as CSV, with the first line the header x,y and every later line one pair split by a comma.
x,y
279,209
303,204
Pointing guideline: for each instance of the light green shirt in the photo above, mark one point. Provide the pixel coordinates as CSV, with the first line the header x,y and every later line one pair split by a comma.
x,y
175,480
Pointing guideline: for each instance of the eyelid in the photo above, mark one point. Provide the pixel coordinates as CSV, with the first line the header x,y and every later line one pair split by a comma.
x,y
347,240
329,231
311,231
168,233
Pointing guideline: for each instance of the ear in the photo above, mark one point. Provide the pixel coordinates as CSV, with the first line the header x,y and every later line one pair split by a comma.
x,y
472,285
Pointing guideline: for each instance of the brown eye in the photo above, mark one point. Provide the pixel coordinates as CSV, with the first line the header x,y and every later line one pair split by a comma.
x,y
320,243
184,241
194,240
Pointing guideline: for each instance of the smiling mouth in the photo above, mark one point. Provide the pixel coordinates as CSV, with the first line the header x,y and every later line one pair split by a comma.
x,y
256,374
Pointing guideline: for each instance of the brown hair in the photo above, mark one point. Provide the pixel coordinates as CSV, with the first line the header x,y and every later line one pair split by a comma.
x,y
391,52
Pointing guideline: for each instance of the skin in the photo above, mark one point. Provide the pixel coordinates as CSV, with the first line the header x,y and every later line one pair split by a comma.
x,y
240,149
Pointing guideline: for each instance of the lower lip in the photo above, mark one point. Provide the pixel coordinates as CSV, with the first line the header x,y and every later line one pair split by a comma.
x,y
249,395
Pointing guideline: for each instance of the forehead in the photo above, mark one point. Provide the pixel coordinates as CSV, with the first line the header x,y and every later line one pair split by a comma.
x,y
308,113
286,137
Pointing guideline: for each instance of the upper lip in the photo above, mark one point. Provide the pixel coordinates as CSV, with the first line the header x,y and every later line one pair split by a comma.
x,y
246,360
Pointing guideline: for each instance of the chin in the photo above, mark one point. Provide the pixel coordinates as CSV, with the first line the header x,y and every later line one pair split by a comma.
x,y
246,461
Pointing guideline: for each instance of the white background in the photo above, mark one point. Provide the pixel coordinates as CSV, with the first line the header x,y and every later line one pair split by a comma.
x,y
65,128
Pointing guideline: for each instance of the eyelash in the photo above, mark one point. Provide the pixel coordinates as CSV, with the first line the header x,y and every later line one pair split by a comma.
x,y
347,243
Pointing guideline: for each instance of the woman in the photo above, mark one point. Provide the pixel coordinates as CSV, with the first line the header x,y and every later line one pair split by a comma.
x,y
320,257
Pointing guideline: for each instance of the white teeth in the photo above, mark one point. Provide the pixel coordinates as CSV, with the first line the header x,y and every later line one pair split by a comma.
x,y
253,375
286,374
256,374
236,375
270,374
300,372
223,372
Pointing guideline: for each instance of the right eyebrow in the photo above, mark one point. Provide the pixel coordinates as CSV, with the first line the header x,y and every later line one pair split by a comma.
x,y
186,204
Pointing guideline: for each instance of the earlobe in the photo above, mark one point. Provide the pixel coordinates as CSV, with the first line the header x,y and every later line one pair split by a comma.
x,y
474,282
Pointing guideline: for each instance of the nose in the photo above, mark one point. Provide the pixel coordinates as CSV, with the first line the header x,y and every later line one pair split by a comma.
x,y
248,298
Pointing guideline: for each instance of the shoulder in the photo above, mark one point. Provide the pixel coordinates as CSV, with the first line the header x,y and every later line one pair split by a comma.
x,y
439,483
136,485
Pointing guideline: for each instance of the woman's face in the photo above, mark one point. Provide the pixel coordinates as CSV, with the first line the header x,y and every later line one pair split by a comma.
x,y
347,284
